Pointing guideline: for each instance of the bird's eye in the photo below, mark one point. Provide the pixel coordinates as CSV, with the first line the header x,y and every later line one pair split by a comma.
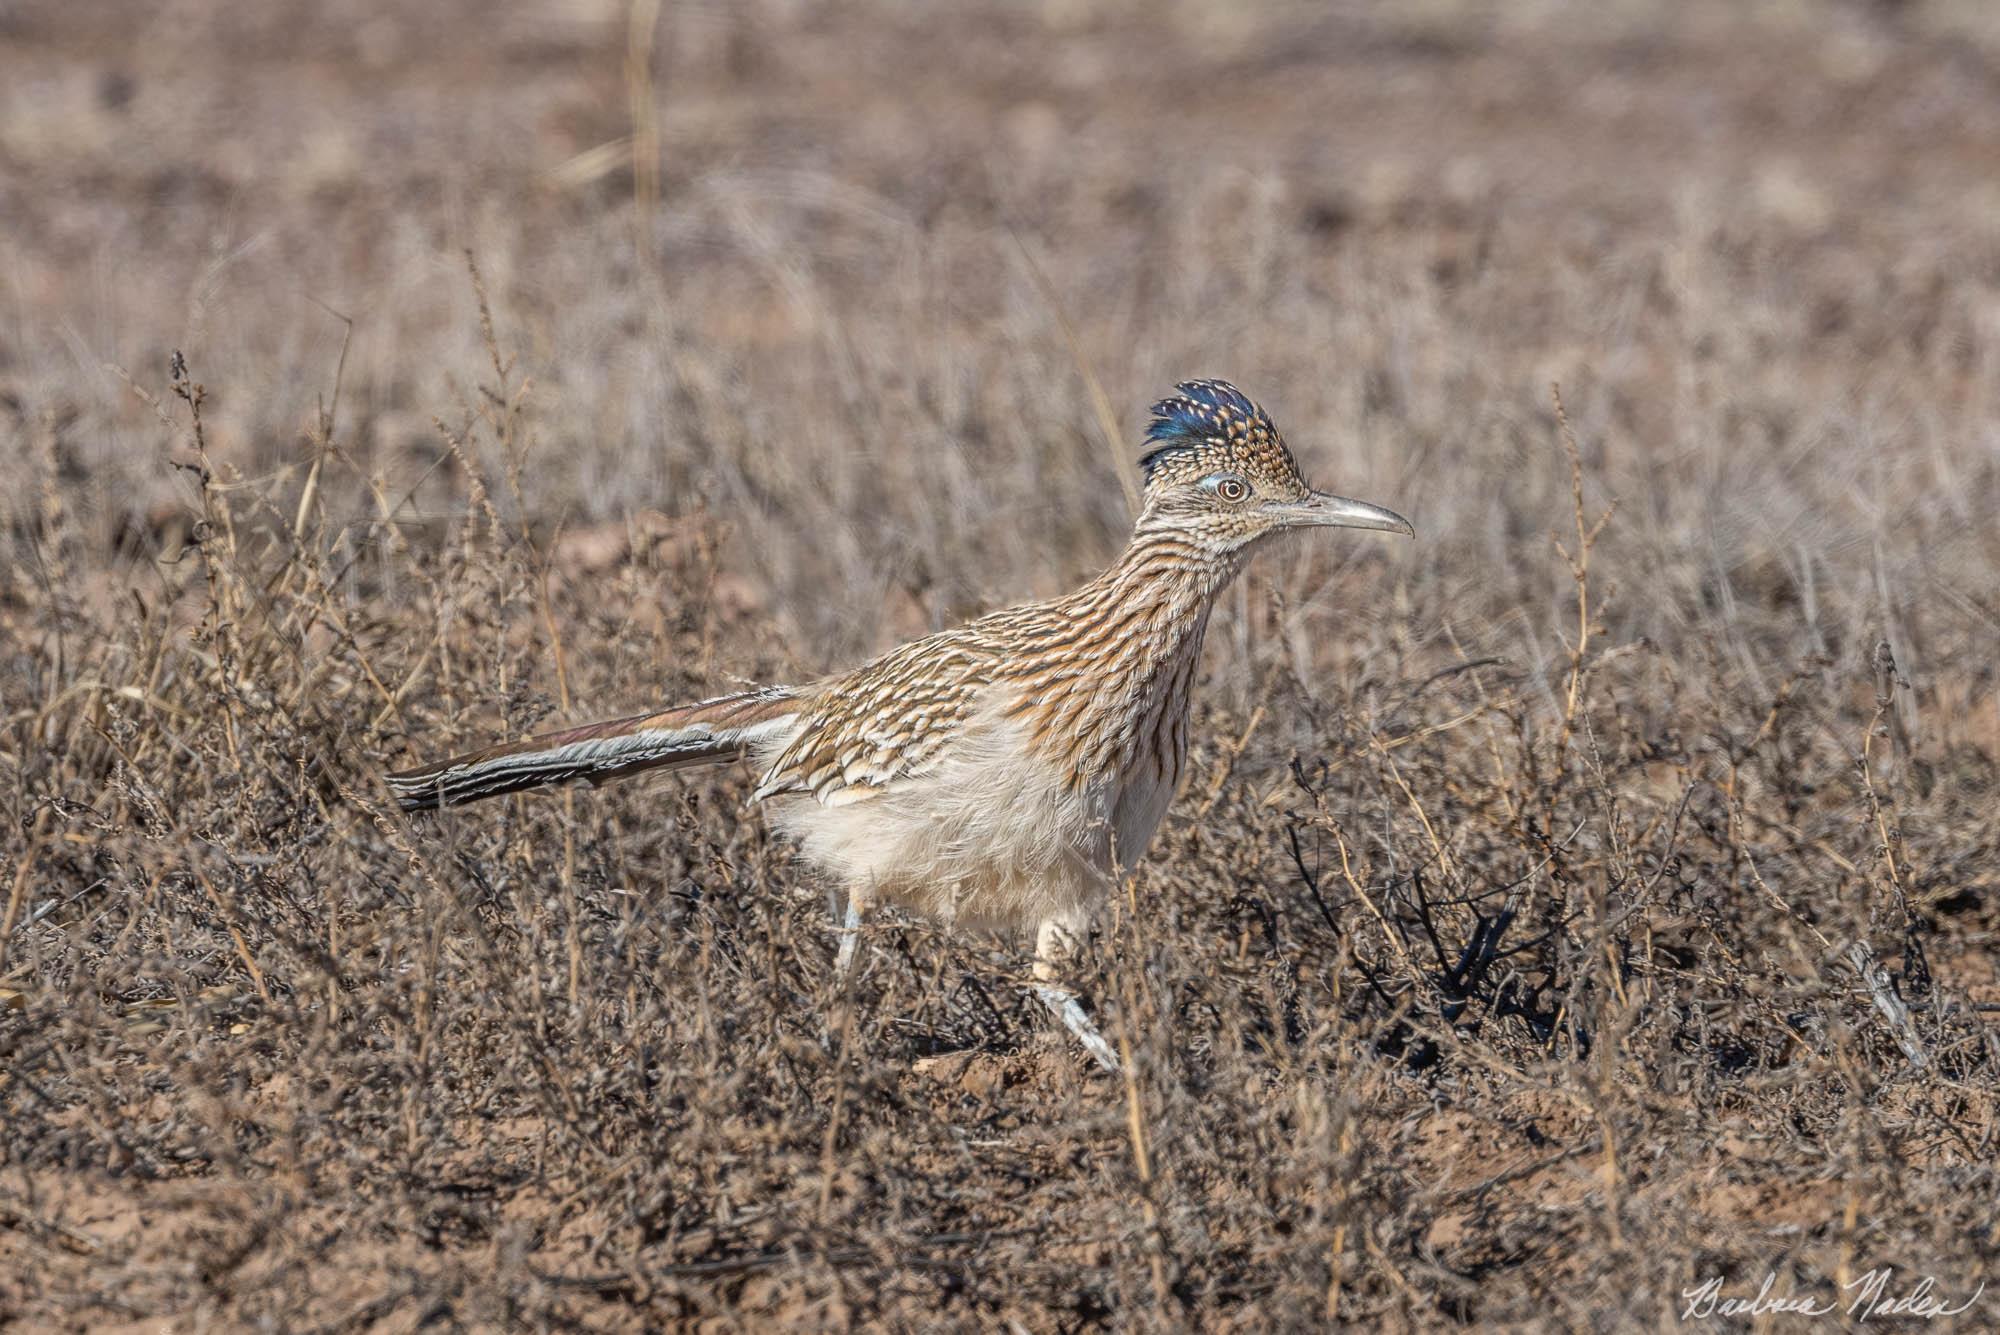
x,y
1232,489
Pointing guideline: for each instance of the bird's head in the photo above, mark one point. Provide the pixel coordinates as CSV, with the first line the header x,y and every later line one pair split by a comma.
x,y
1217,471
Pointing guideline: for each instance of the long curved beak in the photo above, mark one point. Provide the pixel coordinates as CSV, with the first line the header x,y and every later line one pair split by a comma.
x,y
1329,511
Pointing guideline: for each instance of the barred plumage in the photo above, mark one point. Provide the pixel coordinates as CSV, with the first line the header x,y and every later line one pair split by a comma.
x,y
709,730
1001,774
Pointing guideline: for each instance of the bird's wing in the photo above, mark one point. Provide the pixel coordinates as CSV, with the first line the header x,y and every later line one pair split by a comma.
x,y
883,722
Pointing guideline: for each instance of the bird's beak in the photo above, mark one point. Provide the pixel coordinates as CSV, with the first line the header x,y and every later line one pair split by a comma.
x,y
1329,511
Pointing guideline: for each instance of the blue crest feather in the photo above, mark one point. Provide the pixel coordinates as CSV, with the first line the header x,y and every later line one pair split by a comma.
x,y
1201,412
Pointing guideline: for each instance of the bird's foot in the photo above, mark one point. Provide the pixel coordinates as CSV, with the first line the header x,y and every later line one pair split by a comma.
x,y
1077,1020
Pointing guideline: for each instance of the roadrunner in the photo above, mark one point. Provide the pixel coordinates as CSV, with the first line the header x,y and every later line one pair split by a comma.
x,y
1004,774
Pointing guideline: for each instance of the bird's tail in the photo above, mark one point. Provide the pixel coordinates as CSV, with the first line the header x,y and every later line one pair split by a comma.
x,y
710,731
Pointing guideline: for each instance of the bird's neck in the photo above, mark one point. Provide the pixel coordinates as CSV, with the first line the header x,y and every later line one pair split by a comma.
x,y
1165,574
1106,663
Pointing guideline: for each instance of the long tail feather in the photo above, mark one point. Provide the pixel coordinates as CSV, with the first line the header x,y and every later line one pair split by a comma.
x,y
710,731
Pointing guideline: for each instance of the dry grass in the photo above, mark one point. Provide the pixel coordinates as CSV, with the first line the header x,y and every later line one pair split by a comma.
x,y
1567,908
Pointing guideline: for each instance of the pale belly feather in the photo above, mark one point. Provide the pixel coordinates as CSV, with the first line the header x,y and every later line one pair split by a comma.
x,y
990,838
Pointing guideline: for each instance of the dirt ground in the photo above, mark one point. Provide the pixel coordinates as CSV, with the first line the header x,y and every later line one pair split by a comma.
x,y
1582,917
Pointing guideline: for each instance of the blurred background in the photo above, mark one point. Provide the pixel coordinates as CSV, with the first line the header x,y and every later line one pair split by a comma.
x,y
779,263
559,360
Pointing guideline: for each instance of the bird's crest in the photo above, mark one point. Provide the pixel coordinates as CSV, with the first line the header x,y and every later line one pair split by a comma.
x,y
1211,422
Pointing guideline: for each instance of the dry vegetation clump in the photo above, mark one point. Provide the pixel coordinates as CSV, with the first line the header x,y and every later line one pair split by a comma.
x,y
1591,899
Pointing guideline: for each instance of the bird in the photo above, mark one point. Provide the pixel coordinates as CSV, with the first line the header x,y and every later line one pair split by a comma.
x,y
1001,776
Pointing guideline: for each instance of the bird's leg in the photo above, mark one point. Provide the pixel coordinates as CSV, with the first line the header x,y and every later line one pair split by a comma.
x,y
850,932
1055,944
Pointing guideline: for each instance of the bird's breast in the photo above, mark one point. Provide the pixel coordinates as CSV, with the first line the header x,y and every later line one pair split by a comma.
x,y
1153,762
